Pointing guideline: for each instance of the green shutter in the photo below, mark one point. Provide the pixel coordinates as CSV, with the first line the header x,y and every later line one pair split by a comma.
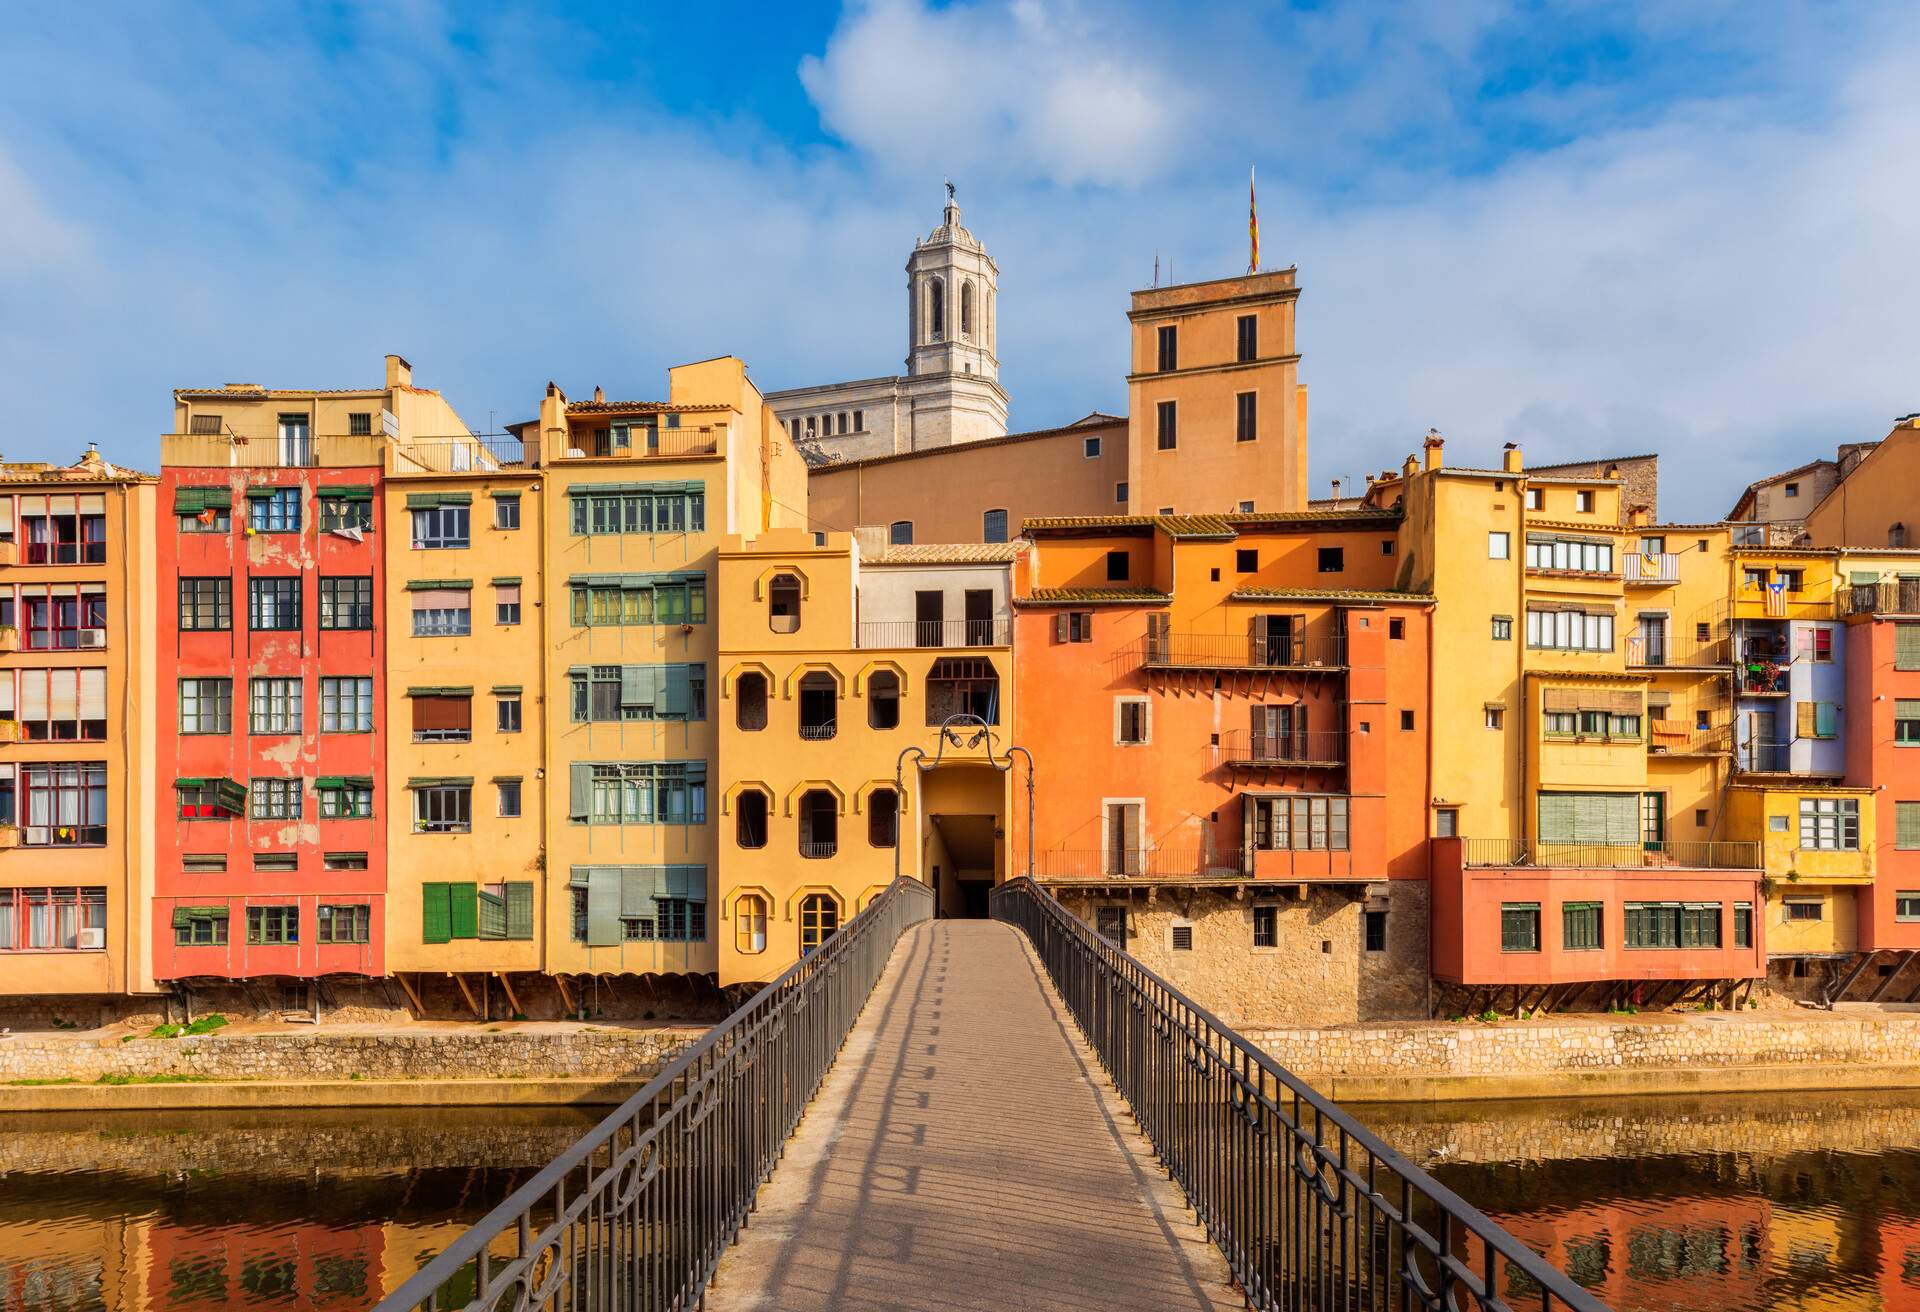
x,y
429,500
639,685
1826,719
344,492
463,914
506,581
580,795
436,585
675,697
436,914
639,886
1906,646
520,910
603,906
1906,825
493,915
261,493
504,496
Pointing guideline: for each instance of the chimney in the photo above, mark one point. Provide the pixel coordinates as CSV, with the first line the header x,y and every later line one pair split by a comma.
x,y
1408,470
1433,445
1336,489
1613,471
1511,461
399,372
599,394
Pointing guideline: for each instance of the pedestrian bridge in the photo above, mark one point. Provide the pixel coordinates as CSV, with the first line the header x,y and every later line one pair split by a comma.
x,y
952,1115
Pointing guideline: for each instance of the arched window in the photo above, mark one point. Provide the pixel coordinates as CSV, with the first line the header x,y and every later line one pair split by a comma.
x,y
966,309
819,919
819,824
883,700
993,526
783,604
819,706
750,923
900,533
937,309
750,818
883,818
750,702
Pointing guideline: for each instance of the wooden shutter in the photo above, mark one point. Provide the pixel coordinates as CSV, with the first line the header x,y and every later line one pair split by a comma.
x,y
1257,640
463,910
1803,720
439,714
436,920
1060,627
1132,822
1297,633
1826,719
520,910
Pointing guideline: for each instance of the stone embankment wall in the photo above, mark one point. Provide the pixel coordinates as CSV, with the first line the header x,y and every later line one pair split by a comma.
x,y
603,1054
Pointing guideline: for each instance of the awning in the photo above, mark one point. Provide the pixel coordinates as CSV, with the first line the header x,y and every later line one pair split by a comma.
x,y
504,687
506,581
428,500
193,500
342,492
438,585
263,491
442,691
504,495
184,916
440,781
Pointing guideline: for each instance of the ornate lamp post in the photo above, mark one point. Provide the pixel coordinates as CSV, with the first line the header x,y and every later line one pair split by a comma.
x,y
964,731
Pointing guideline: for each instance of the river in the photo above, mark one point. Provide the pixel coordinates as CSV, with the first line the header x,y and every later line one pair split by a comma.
x,y
1808,1201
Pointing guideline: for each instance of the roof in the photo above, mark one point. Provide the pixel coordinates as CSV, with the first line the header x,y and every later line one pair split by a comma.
x,y
1754,487
948,553
1590,676
638,407
254,391
1329,594
89,468
1094,596
1208,526
1582,526
1095,419
1602,462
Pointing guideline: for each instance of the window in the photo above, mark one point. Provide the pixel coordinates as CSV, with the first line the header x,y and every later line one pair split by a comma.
x,y
270,926
346,602
993,526
638,793
506,511
210,799
1373,930
1396,630
1246,426
1817,719
1132,722
1110,923
783,604
1906,722
1906,826
1581,926
750,811
1499,546
443,809
1183,938
206,604
1167,434
900,533
819,919
962,685
750,924
507,798
1590,819
1496,717
57,705
859,421
346,510
1168,341
274,706
1246,560
346,704
53,919
1446,822
1570,555
506,602
203,510
1503,628
1090,448
1830,824
359,423
442,715
648,508
1906,646
1583,502
345,797
348,922
606,693
506,712
1519,926
199,927
1673,924
273,510
1822,640
1804,909
1569,630
1246,507
273,603
204,424
1743,924
883,818
750,702
64,616
1536,498
1406,721
1118,566
443,612
275,799
440,527
1300,823
819,706
1266,926
206,706
1246,338
1790,490
1333,560
1120,498
1073,626
63,530
883,700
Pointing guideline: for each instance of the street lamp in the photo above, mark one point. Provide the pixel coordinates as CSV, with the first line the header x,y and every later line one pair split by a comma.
x,y
954,731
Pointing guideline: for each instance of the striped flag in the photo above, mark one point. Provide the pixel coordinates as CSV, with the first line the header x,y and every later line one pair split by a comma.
x,y
1776,599
1253,228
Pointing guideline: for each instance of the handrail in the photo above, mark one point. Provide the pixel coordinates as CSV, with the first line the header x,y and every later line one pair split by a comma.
x,y
637,1213
1310,1209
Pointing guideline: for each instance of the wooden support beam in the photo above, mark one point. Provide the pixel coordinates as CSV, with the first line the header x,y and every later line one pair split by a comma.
x,y
413,996
1833,993
506,985
566,994
1886,980
473,1003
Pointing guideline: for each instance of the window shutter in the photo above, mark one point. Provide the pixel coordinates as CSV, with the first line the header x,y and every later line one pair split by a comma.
x,y
93,694
1131,819
1906,646
1826,719
1906,831
674,696
520,910
1297,631
493,915
580,795
1803,720
463,910
436,919
1060,627
603,906
1556,818
1257,640
639,685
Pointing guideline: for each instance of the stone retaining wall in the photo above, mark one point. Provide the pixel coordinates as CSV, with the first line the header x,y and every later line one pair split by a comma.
x,y
606,1054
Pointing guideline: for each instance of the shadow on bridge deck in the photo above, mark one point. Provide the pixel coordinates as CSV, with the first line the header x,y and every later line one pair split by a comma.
x,y
965,1152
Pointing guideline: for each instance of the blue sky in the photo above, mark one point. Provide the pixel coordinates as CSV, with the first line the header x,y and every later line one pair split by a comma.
x,y
1594,229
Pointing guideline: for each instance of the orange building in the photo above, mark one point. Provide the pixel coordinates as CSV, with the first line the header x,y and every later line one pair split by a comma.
x,y
1216,705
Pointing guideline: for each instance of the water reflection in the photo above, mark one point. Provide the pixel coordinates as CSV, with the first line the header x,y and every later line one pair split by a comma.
x,y
1807,1201
205,1210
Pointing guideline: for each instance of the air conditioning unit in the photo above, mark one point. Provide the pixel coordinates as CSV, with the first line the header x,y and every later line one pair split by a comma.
x,y
93,939
93,637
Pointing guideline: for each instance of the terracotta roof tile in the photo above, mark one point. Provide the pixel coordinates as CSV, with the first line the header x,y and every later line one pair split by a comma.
x,y
949,553
1094,596
1329,594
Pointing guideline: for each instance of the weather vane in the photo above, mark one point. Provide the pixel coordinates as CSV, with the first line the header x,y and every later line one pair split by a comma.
x,y
949,188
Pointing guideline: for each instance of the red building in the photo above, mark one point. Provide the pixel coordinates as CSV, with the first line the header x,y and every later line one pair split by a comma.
x,y
1883,751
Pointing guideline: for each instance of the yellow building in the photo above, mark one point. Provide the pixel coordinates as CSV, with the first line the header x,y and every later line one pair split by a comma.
x,y
1818,842
837,670
77,596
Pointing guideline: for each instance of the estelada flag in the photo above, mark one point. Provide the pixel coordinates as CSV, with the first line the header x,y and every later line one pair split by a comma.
x,y
1253,228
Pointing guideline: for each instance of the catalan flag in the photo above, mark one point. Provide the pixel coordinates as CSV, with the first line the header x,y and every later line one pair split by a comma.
x,y
1253,228
1776,599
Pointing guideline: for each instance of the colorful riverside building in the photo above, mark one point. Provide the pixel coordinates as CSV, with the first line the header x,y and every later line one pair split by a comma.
x,y
270,699
1230,715
866,709
1579,739
76,753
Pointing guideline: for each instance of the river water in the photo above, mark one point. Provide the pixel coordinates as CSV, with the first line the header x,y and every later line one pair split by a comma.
x,y
1808,1201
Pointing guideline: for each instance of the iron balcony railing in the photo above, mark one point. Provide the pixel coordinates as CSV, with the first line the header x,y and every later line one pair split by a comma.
x,y
1502,852
1309,747
1239,651
819,849
816,733
1311,1210
1660,568
273,451
458,454
1676,738
1901,597
1765,757
1135,863
1762,678
636,1215
600,444
936,633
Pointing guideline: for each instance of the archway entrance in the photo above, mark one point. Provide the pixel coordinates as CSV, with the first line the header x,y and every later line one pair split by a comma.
x,y
964,840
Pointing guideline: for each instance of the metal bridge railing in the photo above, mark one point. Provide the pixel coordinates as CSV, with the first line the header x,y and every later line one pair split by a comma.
x,y
1310,1209
636,1215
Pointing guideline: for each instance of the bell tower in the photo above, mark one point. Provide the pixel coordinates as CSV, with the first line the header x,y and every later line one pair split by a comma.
x,y
952,303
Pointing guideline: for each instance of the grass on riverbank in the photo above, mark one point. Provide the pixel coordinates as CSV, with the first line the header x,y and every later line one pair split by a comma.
x,y
110,1078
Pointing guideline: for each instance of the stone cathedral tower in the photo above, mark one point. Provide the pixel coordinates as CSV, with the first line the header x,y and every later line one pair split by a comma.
x,y
951,391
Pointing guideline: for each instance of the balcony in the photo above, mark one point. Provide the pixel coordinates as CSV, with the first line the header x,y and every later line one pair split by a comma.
x,y
1659,570
1897,598
1665,652
1783,533
458,455
1765,758
1762,679
1675,739
900,634
1520,852
818,849
63,836
642,443
819,733
1749,603
1312,749
1232,651
221,451
9,730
